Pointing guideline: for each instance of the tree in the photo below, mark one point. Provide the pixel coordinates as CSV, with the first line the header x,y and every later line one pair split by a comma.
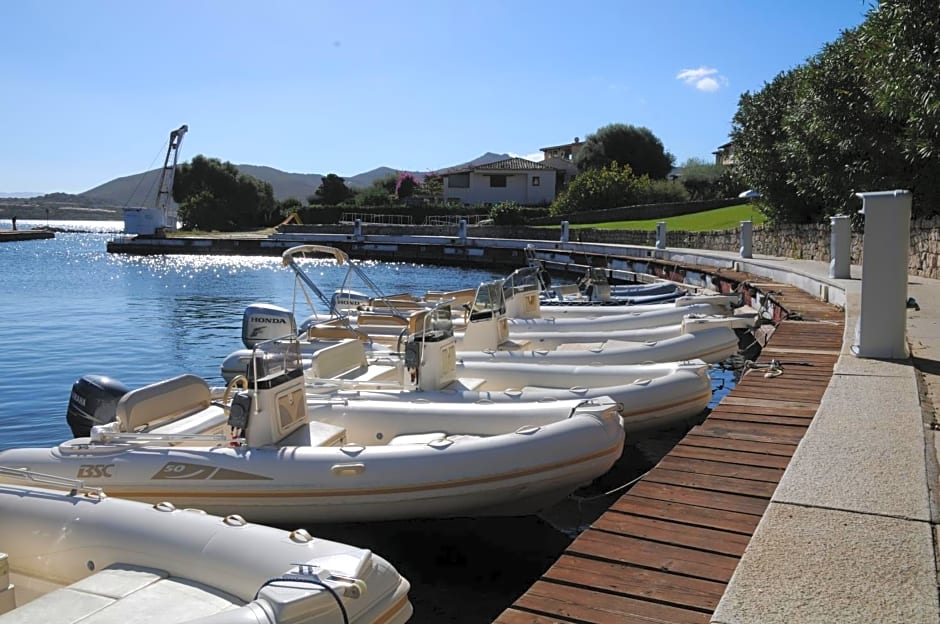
x,y
405,185
863,114
629,145
596,189
432,186
701,178
332,190
215,196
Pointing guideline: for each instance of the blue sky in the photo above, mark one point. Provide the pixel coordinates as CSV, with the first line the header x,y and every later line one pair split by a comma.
x,y
90,90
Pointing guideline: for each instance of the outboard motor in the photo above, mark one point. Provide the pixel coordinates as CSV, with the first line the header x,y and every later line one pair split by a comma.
x,y
93,401
263,321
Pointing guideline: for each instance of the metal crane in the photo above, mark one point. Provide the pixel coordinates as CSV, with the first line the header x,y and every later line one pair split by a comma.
x,y
164,206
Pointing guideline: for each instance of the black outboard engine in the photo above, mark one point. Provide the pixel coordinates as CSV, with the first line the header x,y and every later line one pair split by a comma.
x,y
263,321
93,401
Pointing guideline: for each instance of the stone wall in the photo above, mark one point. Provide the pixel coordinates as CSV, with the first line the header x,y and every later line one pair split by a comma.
x,y
806,242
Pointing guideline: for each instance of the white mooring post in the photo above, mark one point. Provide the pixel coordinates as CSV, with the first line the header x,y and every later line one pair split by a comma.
x,y
357,230
747,238
840,247
882,321
661,235
564,232
462,231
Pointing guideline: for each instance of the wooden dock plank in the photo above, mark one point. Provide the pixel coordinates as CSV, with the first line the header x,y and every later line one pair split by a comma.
x,y
689,514
700,538
659,556
580,605
700,498
747,487
747,446
665,549
718,468
730,456
656,585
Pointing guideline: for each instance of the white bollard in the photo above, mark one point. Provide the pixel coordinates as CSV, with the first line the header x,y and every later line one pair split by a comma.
x,y
882,321
661,235
564,231
840,247
462,230
357,230
747,238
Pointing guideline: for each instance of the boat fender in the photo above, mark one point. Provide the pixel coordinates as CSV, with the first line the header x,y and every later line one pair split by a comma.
x,y
238,412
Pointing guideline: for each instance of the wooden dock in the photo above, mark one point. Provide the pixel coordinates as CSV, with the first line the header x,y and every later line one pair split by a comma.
x,y
665,551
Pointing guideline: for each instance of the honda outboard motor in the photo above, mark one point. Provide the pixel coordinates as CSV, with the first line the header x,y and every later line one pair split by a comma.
x,y
93,401
263,322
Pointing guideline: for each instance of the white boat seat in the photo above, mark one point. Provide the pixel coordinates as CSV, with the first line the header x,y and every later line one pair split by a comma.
x,y
164,400
339,359
316,433
209,420
124,593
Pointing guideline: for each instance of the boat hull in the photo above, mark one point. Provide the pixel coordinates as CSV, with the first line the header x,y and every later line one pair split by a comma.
x,y
190,566
433,474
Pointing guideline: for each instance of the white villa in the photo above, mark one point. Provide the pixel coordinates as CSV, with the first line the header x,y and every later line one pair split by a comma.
x,y
513,179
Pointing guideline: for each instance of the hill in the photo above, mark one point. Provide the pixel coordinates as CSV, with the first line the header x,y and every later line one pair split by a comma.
x,y
140,189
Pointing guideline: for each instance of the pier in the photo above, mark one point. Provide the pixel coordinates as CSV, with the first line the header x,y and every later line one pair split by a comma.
x,y
806,496
8,236
666,550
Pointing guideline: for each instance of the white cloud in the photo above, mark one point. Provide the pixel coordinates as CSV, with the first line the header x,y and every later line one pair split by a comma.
x,y
703,78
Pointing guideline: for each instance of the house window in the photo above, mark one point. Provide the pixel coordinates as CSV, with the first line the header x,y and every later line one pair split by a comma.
x,y
458,180
536,181
497,181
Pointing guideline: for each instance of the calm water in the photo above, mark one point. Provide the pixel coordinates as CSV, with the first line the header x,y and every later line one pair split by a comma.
x,y
69,308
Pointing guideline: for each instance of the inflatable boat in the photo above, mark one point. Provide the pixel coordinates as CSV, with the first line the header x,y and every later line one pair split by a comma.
x,y
254,449
71,553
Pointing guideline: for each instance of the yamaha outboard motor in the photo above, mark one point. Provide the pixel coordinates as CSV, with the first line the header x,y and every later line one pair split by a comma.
x,y
263,321
93,401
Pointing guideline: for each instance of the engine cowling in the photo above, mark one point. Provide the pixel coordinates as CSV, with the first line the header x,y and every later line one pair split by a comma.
x,y
93,401
262,322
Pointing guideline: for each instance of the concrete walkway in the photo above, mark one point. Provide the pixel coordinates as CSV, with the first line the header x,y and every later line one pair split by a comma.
x,y
851,532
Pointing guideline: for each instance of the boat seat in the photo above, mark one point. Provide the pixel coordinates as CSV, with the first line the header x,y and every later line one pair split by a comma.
x,y
316,433
164,400
124,593
339,359
209,420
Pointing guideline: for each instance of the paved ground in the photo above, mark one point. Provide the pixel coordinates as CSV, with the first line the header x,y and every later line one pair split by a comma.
x,y
851,532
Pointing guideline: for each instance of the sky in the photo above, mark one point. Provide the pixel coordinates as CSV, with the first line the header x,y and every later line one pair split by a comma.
x,y
89,91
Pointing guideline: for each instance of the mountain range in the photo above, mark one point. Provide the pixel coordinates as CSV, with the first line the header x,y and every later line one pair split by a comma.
x,y
140,189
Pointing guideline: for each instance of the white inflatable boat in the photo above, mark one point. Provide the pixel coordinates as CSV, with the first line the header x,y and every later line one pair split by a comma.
x,y
79,555
259,453
431,371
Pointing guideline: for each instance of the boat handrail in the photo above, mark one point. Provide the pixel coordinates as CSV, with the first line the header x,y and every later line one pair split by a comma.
x,y
75,485
331,383
340,255
105,437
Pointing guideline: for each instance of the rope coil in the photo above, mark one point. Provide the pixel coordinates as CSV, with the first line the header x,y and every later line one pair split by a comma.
x,y
774,368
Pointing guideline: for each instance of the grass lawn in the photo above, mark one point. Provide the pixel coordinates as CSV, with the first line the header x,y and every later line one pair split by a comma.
x,y
718,219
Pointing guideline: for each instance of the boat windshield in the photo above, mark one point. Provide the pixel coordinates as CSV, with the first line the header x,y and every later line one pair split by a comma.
x,y
526,279
280,356
488,301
